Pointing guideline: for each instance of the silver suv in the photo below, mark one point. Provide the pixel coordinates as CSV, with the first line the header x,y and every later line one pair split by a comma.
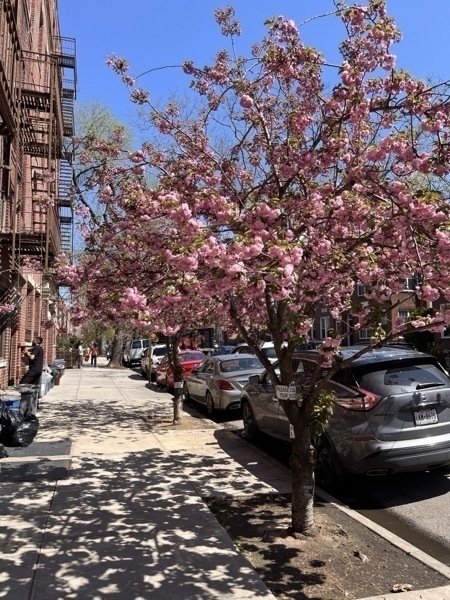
x,y
391,413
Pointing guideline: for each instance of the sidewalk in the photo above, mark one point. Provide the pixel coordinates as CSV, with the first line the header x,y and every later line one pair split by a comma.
x,y
101,507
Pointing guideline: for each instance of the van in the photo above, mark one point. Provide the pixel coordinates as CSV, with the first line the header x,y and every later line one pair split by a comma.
x,y
133,351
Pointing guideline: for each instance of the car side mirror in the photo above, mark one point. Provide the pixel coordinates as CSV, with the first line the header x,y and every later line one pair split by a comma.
x,y
254,379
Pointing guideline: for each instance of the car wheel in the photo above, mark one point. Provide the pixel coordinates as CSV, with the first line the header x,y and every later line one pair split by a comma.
x,y
209,404
325,470
186,394
250,427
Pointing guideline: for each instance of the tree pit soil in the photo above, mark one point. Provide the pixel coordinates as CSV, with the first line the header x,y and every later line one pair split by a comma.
x,y
345,561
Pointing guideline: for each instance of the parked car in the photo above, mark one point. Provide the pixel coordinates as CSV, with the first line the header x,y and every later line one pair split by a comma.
x,y
133,351
222,350
188,360
206,351
157,352
267,349
391,413
309,345
145,361
218,381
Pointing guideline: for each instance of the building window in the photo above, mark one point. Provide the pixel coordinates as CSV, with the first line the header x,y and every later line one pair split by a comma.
x,y
404,313
364,334
410,284
324,327
361,290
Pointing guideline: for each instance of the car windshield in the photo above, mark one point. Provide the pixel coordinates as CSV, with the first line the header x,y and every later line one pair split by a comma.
x,y
240,364
397,379
269,352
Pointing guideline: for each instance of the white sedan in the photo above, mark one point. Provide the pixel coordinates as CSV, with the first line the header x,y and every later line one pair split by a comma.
x,y
218,380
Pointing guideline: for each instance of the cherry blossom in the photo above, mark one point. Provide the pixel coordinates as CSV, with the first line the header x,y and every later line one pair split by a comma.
x,y
285,185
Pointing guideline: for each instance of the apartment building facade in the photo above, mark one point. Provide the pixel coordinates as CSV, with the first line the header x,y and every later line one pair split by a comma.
x,y
37,94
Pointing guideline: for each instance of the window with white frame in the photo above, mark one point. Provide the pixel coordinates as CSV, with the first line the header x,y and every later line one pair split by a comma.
x,y
324,327
364,334
410,284
404,313
361,289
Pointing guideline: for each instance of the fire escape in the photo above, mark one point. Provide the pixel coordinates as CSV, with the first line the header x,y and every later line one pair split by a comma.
x,y
47,128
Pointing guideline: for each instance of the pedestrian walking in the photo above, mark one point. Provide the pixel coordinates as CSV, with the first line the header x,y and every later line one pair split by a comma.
x,y
80,355
35,356
94,353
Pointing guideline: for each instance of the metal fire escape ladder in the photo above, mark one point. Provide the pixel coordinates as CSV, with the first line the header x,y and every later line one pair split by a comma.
x,y
66,60
47,129
65,207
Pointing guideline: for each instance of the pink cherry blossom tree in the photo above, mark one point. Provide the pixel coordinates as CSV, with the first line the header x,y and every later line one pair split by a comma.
x,y
282,193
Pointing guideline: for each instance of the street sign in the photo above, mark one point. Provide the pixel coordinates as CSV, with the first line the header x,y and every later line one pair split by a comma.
x,y
286,392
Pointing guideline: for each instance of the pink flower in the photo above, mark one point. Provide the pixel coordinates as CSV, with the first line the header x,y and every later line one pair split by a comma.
x,y
139,96
246,101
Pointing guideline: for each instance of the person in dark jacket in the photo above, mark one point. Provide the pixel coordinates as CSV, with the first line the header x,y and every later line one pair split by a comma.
x,y
35,356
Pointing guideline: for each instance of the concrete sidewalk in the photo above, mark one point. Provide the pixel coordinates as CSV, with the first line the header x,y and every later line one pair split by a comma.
x,y
101,507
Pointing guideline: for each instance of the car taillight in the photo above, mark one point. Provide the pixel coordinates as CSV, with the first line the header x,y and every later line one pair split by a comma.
x,y
223,384
365,401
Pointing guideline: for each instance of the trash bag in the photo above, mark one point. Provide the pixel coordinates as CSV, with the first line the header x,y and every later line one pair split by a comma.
x,y
25,434
3,453
17,430
10,418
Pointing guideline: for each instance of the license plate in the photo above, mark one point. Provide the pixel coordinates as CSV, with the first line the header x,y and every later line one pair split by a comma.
x,y
425,417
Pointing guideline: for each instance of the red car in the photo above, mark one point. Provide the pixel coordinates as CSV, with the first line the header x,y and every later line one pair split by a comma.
x,y
189,359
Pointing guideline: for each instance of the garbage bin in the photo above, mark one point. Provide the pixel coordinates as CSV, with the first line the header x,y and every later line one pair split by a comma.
x,y
29,399
57,376
13,399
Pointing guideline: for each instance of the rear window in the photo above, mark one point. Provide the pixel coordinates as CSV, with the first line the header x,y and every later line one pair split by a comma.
x,y
240,364
159,351
140,344
192,356
400,378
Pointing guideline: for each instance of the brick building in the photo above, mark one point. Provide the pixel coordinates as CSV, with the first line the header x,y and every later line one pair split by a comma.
x,y
37,93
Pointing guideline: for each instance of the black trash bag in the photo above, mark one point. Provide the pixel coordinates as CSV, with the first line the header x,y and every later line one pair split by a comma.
x,y
21,433
10,418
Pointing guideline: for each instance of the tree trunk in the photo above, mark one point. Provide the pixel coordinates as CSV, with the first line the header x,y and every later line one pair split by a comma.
x,y
177,370
302,463
177,405
115,362
302,468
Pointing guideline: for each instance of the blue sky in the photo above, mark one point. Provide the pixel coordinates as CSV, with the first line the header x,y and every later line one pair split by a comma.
x,y
151,33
